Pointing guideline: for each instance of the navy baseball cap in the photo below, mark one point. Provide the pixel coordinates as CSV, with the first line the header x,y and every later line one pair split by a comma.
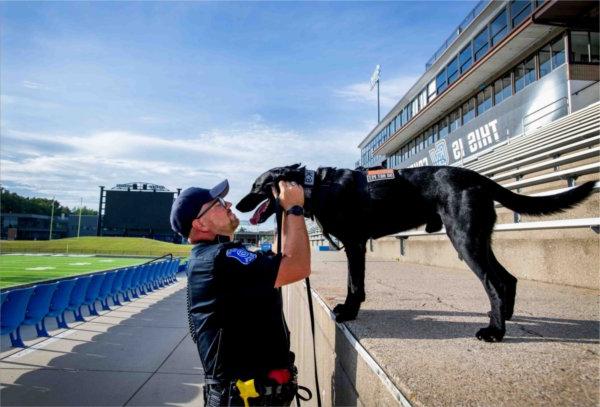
x,y
188,204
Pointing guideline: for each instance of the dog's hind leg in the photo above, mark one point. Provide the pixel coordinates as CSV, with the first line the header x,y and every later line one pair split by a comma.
x,y
509,288
469,219
355,252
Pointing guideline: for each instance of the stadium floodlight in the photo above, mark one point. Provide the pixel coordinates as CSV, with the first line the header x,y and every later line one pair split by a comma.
x,y
374,81
51,217
79,223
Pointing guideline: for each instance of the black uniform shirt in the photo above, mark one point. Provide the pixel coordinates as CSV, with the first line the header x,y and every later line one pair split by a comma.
x,y
236,313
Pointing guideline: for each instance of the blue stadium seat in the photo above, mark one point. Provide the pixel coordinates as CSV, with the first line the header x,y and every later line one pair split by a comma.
x,y
12,314
39,306
60,302
135,282
92,292
78,296
105,289
117,284
141,284
149,285
127,284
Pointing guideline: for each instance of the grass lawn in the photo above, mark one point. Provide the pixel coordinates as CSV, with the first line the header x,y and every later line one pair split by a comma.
x,y
23,269
97,245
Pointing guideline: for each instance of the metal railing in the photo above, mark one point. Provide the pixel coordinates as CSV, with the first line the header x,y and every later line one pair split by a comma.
x,y
563,103
461,27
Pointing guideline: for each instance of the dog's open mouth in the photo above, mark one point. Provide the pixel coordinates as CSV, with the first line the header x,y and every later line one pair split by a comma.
x,y
255,219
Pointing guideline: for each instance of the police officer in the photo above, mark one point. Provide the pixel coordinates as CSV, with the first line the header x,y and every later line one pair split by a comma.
x,y
234,305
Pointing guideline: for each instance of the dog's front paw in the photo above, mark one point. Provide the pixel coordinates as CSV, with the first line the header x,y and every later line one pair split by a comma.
x,y
344,312
490,334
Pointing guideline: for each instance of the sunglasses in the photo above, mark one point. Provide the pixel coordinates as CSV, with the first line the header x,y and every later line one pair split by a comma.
x,y
218,200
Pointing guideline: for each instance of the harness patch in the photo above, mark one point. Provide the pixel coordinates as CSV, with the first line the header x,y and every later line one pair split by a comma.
x,y
380,175
309,178
242,255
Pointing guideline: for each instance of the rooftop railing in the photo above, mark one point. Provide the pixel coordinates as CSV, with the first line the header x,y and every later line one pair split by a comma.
x,y
461,27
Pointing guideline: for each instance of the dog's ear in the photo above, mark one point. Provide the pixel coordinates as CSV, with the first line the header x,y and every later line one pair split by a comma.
x,y
295,166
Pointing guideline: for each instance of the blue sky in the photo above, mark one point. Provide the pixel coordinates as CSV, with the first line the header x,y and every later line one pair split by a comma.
x,y
188,93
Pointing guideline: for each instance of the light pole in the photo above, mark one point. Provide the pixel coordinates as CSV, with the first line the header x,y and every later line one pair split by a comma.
x,y
51,219
79,223
375,80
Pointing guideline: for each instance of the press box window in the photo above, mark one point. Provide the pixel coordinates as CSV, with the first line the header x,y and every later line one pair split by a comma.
x,y
468,109
465,59
452,71
441,82
454,120
524,74
558,52
519,11
480,44
431,90
484,100
443,128
545,58
502,89
580,46
499,28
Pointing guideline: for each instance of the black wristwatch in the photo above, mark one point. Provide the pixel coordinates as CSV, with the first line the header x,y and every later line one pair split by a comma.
x,y
295,210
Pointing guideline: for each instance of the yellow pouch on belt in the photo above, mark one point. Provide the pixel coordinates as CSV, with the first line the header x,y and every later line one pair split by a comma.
x,y
247,390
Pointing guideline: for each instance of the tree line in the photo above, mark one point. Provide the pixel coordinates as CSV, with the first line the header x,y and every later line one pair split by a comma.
x,y
11,202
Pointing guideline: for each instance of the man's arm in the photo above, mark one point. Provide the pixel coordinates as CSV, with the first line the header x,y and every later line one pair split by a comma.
x,y
295,261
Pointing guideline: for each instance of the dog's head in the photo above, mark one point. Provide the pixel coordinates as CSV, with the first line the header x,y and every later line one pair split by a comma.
x,y
261,192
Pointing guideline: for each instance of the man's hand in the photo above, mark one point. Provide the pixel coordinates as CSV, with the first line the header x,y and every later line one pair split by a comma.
x,y
290,194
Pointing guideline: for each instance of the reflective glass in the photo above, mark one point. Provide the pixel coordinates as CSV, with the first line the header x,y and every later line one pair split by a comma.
x,y
443,128
465,59
595,47
454,120
468,111
579,46
519,11
499,27
545,58
484,100
431,90
452,70
529,71
558,53
440,81
480,44
519,77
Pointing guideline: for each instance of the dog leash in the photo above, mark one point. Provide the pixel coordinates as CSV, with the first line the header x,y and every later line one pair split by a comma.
x,y
278,219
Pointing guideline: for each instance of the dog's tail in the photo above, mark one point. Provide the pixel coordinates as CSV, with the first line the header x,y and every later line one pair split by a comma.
x,y
542,205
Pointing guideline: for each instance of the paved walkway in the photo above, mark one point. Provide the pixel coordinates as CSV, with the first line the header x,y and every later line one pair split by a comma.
x,y
139,354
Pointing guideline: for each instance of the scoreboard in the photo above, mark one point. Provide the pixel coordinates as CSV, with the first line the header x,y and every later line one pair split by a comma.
x,y
138,211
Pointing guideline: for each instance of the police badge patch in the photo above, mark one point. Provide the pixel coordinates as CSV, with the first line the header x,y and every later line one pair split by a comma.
x,y
242,255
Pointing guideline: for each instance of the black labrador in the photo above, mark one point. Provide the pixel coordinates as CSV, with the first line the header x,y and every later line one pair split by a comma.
x,y
357,205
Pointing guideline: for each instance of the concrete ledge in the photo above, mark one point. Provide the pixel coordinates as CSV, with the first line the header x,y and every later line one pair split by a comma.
x,y
348,374
418,325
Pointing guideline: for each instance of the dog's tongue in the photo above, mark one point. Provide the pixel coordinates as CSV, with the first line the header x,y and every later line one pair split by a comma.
x,y
255,218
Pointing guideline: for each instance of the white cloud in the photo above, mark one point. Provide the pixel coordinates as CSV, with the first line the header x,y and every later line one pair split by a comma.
x,y
32,85
77,164
390,92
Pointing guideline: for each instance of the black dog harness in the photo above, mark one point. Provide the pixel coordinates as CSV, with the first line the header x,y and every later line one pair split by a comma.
x,y
311,180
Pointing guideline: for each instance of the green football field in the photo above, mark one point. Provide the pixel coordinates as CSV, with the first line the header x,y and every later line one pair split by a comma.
x,y
23,269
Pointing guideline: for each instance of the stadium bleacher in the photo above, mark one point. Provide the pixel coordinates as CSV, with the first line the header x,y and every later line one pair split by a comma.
x,y
32,304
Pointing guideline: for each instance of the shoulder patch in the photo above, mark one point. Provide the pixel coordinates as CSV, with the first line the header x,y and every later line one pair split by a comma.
x,y
242,255
380,175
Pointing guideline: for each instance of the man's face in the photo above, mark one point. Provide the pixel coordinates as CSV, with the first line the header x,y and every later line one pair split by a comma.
x,y
219,219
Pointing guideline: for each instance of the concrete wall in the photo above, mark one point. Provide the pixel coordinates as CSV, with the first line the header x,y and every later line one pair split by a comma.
x,y
568,257
346,376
